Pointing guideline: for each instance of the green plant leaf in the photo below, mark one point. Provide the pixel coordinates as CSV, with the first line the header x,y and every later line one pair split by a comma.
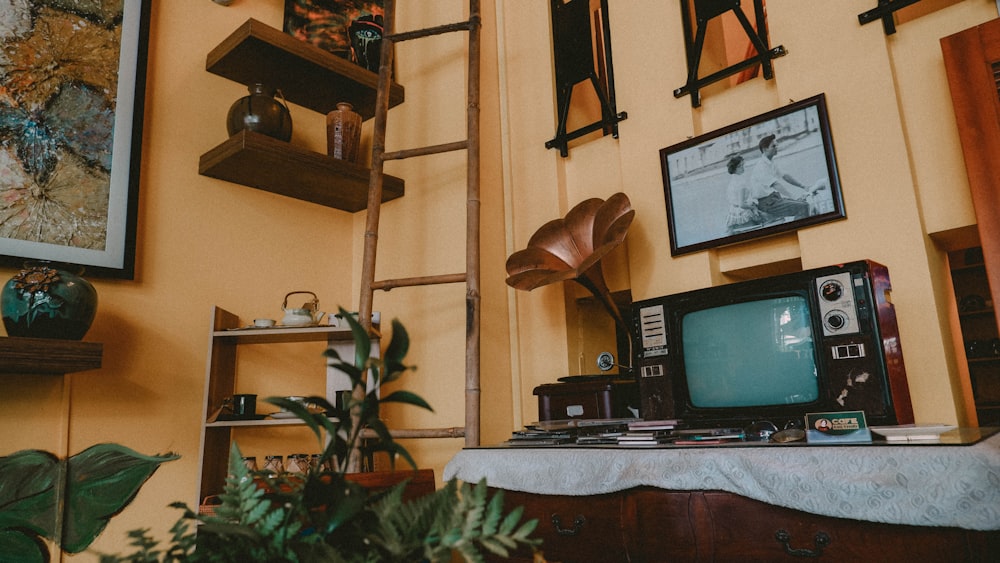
x,y
301,412
399,345
352,372
408,398
22,547
29,485
493,514
345,500
100,482
362,342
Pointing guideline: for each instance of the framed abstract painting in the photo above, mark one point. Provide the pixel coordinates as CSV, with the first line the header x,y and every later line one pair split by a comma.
x,y
72,86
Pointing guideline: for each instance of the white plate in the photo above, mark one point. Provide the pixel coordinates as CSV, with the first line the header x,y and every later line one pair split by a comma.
x,y
907,432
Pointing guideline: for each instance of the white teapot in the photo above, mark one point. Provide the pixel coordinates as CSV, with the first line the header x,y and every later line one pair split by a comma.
x,y
306,315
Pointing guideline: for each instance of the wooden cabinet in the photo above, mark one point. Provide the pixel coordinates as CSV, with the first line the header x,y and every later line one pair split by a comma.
x,y
226,338
977,315
309,77
655,525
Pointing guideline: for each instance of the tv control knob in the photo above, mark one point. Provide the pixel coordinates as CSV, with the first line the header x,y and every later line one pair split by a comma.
x,y
836,320
605,361
831,290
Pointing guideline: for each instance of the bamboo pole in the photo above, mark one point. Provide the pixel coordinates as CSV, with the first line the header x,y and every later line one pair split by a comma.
x,y
472,342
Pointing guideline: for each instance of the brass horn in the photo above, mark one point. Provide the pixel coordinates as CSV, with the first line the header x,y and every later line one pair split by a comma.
x,y
571,248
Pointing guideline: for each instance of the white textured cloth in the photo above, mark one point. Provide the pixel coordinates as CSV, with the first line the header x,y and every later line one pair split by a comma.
x,y
938,485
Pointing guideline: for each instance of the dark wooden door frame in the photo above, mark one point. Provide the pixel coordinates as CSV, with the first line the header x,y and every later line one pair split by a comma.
x,y
971,58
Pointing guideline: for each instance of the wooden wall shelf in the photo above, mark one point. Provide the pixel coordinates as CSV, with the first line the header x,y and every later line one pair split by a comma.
x,y
307,75
46,356
266,163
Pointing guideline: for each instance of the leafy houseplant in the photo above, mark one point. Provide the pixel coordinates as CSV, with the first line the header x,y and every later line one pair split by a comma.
x,y
321,515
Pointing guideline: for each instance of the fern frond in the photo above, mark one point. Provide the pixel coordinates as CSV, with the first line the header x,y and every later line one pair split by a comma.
x,y
493,514
475,510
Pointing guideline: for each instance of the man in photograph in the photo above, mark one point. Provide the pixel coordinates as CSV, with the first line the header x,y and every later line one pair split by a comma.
x,y
770,186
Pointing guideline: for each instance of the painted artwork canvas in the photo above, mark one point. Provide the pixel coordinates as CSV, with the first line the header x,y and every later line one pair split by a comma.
x,y
71,90
351,29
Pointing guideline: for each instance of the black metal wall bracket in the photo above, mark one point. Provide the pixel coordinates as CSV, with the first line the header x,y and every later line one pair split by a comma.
x,y
706,10
573,50
884,11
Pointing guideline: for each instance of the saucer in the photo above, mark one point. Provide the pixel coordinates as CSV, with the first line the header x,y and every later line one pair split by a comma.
x,y
232,417
289,414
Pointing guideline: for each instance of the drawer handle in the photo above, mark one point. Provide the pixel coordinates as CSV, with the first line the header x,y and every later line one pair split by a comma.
x,y
577,525
821,540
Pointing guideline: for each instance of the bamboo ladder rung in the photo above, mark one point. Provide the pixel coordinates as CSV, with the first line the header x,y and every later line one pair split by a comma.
x,y
423,151
386,285
453,432
436,30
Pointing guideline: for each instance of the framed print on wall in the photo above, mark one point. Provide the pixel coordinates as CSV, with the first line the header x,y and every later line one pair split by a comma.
x,y
72,85
768,174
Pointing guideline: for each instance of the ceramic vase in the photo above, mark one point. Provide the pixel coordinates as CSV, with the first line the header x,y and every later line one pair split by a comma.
x,y
45,300
260,112
343,133
366,41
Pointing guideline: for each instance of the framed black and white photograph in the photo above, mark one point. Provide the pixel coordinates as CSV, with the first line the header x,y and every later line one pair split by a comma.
x,y
72,85
768,174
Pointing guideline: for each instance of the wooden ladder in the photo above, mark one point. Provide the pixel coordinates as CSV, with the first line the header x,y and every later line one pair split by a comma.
x,y
471,145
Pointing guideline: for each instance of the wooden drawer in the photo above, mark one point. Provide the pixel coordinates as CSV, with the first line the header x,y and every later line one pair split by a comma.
x,y
574,529
741,529
662,526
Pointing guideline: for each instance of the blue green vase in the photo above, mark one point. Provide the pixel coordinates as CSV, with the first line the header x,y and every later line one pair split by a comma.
x,y
44,300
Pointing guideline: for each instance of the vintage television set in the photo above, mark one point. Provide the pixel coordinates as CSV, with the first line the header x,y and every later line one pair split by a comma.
x,y
774,350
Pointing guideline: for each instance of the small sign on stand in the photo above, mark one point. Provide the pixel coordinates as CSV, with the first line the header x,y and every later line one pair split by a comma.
x,y
837,427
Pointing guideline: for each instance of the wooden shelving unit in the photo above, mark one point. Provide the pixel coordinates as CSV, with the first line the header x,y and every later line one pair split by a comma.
x,y
314,79
307,75
268,164
221,382
45,356
979,332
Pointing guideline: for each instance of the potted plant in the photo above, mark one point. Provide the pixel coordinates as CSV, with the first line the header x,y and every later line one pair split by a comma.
x,y
321,515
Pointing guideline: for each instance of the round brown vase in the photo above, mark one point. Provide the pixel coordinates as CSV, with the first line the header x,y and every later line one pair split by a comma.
x,y
343,133
260,112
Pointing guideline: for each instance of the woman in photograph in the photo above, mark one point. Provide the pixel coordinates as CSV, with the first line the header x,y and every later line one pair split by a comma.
x,y
743,213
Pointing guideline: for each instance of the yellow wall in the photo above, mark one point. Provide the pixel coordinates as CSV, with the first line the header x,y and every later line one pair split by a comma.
x,y
204,242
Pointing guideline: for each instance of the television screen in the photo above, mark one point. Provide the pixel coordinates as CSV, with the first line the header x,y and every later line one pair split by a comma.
x,y
750,354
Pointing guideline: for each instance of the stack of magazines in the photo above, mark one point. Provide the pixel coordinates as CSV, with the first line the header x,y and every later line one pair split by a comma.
x,y
578,431
648,433
530,437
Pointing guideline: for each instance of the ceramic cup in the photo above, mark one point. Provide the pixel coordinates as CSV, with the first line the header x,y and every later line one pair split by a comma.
x,y
244,406
263,323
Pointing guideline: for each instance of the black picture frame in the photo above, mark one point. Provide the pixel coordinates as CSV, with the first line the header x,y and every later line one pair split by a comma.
x,y
707,208
71,118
